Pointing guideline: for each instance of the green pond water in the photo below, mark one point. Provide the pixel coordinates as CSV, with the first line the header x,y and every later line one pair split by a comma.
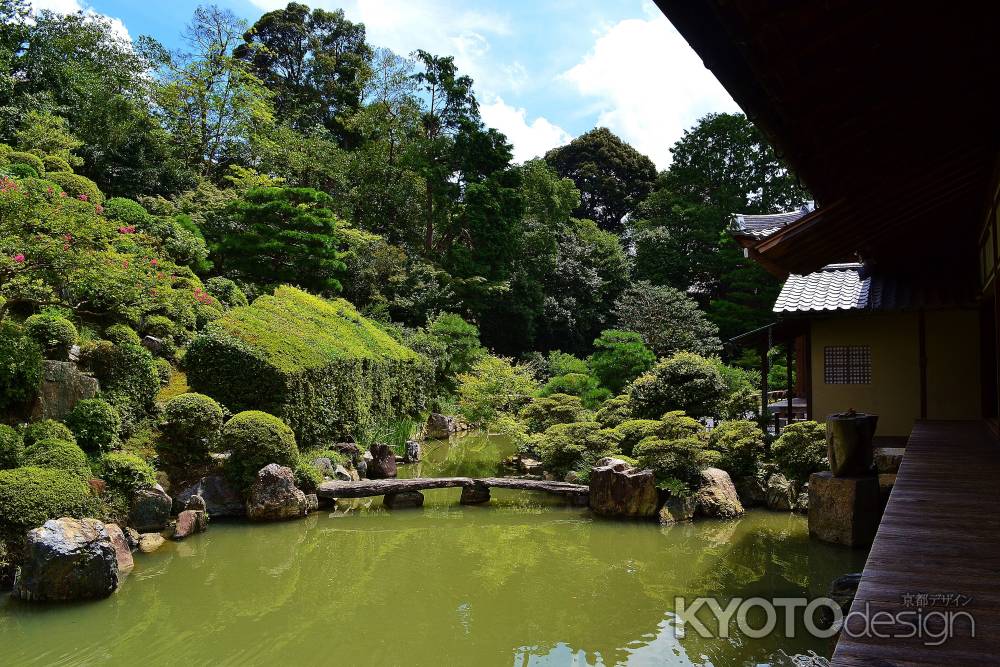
x,y
524,580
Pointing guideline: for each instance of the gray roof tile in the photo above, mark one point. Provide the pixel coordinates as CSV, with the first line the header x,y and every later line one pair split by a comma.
x,y
762,226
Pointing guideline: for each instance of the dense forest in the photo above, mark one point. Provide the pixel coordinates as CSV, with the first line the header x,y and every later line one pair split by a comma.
x,y
292,151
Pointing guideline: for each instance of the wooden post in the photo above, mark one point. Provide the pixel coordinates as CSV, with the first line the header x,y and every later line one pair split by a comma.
x,y
808,370
763,384
922,346
789,356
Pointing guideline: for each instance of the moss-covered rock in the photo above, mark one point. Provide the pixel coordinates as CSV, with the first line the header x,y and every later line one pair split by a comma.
x,y
318,365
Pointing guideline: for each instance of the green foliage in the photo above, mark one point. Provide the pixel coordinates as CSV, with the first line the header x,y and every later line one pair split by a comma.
x,y
122,334
612,176
742,398
547,411
191,425
128,378
667,319
31,496
159,326
164,371
307,476
47,429
58,454
614,411
226,291
96,424
76,185
631,432
55,163
319,365
254,440
800,450
583,385
460,341
11,447
495,386
53,333
676,462
577,446
21,170
283,235
561,363
619,357
685,381
126,473
30,159
126,211
20,367
740,444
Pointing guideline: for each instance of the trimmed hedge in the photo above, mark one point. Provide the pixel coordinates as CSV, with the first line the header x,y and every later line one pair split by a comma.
x,y
30,159
47,429
20,367
318,365
122,334
55,334
190,427
128,377
56,163
76,185
800,450
60,455
31,496
126,473
740,444
96,424
254,440
11,447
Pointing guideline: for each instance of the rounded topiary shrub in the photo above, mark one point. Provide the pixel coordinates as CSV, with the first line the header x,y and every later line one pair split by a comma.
x,y
47,429
21,170
128,378
11,447
255,439
740,444
164,370
800,450
190,426
20,367
676,462
96,424
122,334
126,473
56,163
126,211
159,326
31,496
33,161
77,186
58,454
55,334
686,382
226,291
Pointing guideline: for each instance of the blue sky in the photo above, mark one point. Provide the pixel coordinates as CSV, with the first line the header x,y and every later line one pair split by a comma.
x,y
545,70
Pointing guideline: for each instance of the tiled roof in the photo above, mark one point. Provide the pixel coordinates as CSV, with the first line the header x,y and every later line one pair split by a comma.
x,y
840,287
762,226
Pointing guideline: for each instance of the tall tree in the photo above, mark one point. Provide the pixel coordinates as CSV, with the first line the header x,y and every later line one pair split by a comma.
x,y
316,63
612,176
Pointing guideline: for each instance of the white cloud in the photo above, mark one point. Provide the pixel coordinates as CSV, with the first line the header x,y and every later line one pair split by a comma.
x,y
74,6
529,139
647,84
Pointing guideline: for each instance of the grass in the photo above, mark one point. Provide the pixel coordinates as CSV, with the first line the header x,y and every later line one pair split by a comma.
x,y
178,385
394,433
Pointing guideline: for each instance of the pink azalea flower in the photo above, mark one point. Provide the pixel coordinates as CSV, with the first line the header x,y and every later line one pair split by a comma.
x,y
19,258
99,209
82,197
152,262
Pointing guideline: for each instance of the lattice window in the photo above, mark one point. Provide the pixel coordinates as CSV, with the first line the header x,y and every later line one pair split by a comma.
x,y
847,364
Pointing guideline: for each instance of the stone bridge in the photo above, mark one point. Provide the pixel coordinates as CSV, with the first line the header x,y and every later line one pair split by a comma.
x,y
475,491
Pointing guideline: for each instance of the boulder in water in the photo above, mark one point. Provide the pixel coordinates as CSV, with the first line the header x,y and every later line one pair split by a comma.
x,y
618,489
403,500
67,559
383,463
274,496
782,493
123,550
150,511
190,522
221,498
150,542
413,452
717,496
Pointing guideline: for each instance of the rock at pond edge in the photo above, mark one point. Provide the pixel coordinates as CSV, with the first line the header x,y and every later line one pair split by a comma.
x,y
67,559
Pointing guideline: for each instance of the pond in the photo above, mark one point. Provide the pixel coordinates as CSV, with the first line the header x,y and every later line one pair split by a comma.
x,y
523,580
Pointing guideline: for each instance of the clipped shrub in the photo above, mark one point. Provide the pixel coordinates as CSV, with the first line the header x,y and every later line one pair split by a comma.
x,y
254,440
686,382
614,411
307,476
577,446
77,186
31,496
11,447
96,424
591,393
122,334
631,432
226,291
204,314
495,386
159,326
164,370
191,426
740,444
128,377
58,454
742,396
126,472
53,333
547,411
318,365
126,211
56,163
561,363
20,366
47,429
619,357
30,159
21,170
676,462
800,450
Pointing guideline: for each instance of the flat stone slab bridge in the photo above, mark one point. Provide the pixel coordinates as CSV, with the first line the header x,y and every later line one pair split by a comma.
x,y
475,491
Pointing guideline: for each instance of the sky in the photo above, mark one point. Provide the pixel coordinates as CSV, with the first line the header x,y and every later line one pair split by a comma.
x,y
545,71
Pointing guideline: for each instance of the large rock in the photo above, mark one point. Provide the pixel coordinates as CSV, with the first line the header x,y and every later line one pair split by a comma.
x,y
122,545
476,493
190,522
617,489
530,466
324,465
843,510
782,493
221,498
346,474
383,462
63,386
441,426
150,511
413,452
717,495
676,509
888,459
150,542
274,496
752,490
68,559
403,500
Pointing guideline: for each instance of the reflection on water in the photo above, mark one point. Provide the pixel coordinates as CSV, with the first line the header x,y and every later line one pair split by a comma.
x,y
523,580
